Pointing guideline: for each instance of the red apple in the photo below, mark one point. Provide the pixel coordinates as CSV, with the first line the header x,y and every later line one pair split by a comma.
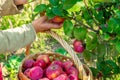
x,y
63,72
61,77
78,46
67,64
44,57
58,62
44,72
28,63
1,76
36,73
53,71
48,64
58,19
72,70
40,63
72,77
77,42
44,79
26,72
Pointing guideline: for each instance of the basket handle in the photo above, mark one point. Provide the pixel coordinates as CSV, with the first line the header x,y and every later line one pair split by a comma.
x,y
65,45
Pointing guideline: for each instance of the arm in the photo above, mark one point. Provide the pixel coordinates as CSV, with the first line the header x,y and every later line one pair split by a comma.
x,y
8,7
13,39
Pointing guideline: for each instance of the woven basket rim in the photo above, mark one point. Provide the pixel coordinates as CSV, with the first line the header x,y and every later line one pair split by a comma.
x,y
46,53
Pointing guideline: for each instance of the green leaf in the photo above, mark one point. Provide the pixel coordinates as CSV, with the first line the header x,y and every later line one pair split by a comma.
x,y
118,46
68,27
61,51
76,7
68,4
91,40
117,12
7,65
108,67
85,14
14,61
80,33
57,11
118,59
62,1
105,68
54,2
94,71
78,17
101,50
91,46
100,66
106,36
49,13
87,55
40,8
103,0
113,65
99,16
2,57
112,25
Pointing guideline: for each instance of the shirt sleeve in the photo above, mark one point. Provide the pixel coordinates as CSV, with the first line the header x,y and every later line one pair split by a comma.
x,y
7,7
14,39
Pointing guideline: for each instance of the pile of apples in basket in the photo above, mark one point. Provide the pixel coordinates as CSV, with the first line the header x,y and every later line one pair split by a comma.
x,y
42,68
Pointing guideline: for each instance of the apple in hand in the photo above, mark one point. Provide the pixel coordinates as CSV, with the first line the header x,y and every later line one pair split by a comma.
x,y
28,63
40,63
58,19
35,73
78,46
53,71
44,57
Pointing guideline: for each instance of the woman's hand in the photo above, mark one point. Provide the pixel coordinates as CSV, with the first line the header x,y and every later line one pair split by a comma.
x,y
42,24
20,2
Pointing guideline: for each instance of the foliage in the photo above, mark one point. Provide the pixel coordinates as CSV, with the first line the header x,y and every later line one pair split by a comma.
x,y
61,51
11,61
12,65
17,20
96,23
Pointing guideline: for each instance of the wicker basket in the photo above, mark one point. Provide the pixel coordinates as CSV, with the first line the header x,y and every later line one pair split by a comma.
x,y
82,68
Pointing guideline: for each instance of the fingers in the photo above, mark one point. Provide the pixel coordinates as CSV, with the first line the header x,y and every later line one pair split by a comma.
x,y
42,24
52,26
24,1
43,19
20,2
